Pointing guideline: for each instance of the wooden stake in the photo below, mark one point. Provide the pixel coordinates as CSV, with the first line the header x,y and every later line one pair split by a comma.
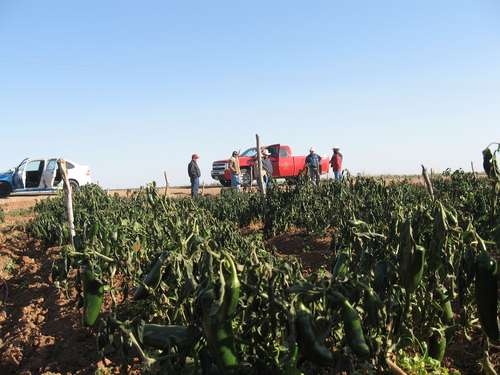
x,y
68,198
166,182
260,180
472,167
203,188
395,369
427,182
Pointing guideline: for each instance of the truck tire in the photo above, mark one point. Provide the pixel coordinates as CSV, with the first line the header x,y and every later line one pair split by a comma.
x,y
246,177
5,189
74,185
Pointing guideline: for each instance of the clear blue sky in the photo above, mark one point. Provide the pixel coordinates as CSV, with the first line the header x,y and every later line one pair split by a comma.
x,y
134,88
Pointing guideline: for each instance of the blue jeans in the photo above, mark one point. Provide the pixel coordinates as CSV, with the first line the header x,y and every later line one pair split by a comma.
x,y
235,181
314,175
267,181
195,185
338,175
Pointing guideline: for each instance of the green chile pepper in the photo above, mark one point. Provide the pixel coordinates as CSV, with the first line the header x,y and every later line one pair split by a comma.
x,y
232,291
447,314
437,345
309,346
340,267
416,269
152,279
486,293
353,330
373,306
93,296
164,336
219,335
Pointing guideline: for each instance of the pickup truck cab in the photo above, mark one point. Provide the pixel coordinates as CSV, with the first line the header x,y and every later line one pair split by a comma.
x,y
41,176
285,165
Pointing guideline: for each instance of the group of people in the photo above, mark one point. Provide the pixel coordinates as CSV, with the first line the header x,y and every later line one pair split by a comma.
x,y
312,163
235,170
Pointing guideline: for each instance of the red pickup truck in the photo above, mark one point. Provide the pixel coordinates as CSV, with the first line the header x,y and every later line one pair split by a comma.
x,y
285,165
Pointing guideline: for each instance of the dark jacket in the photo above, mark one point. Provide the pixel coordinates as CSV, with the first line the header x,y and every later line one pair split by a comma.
x,y
267,166
313,161
193,169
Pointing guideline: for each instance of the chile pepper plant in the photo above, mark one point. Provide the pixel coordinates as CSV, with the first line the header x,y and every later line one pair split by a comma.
x,y
178,284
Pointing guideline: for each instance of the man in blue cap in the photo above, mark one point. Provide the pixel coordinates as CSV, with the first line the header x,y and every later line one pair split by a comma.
x,y
313,161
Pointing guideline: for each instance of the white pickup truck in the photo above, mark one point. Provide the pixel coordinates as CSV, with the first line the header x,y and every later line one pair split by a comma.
x,y
41,176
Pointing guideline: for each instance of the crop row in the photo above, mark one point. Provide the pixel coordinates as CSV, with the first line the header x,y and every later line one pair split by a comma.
x,y
177,283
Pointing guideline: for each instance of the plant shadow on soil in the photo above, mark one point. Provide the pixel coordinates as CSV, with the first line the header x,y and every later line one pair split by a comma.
x,y
312,251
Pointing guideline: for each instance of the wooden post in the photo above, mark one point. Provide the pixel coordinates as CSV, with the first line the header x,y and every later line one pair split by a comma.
x,y
203,188
68,198
260,180
427,182
166,182
472,167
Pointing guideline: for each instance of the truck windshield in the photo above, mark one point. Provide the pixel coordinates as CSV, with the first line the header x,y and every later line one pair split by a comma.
x,y
251,152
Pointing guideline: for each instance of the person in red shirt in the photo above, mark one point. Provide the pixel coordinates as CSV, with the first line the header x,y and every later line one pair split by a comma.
x,y
336,163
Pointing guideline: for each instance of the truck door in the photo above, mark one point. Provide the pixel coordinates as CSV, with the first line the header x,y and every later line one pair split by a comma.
x,y
33,173
274,157
49,174
285,162
18,178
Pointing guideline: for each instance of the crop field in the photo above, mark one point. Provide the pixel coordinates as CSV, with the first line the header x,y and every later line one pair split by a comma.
x,y
382,277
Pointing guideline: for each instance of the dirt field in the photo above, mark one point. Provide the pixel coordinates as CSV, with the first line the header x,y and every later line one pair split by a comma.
x,y
26,202
39,328
20,203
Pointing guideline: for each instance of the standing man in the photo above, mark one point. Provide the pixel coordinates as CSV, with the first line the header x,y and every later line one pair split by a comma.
x,y
194,175
267,166
313,161
336,163
234,168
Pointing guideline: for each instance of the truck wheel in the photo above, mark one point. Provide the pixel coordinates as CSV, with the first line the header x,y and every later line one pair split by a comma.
x,y
74,185
5,189
246,177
